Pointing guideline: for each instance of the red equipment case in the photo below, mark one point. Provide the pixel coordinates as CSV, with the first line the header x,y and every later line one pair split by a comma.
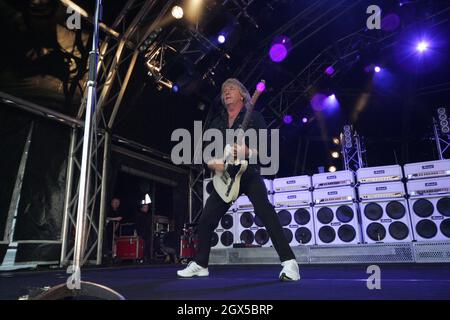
x,y
129,248
189,242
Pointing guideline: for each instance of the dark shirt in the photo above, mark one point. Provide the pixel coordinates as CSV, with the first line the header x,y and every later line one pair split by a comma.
x,y
115,213
143,224
220,122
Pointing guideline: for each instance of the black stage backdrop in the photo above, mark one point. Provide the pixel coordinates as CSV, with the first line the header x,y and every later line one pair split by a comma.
x,y
40,210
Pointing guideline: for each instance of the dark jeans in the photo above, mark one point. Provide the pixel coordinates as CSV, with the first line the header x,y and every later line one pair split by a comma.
x,y
253,186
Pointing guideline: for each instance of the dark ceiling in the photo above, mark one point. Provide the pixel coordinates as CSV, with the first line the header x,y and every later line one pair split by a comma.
x,y
395,121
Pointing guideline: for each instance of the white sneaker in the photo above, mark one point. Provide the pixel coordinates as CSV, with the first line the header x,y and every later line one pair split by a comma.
x,y
290,271
193,270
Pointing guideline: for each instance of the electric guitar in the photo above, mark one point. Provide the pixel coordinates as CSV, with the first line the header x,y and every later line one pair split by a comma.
x,y
226,183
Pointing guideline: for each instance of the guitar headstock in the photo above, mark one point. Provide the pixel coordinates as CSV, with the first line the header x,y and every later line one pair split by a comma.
x,y
260,87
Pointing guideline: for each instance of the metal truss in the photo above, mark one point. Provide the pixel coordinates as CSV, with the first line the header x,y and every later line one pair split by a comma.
x,y
239,8
341,55
117,57
353,153
442,142
196,178
114,53
300,28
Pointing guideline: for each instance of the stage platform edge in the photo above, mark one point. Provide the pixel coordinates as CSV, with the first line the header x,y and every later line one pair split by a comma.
x,y
411,252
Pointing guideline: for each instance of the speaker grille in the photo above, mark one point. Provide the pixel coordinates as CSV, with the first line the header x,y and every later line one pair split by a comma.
x,y
285,217
423,208
395,210
247,236
376,231
302,216
246,219
261,237
373,211
346,233
344,214
443,206
327,234
398,230
325,215
303,235
227,221
227,238
445,227
426,229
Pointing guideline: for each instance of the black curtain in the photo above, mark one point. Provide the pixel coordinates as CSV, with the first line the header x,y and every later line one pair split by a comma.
x,y
14,127
40,210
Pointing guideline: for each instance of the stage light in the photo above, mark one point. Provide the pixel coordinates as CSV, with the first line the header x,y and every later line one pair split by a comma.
x,y
287,119
261,86
335,154
331,102
146,200
443,120
278,52
177,12
377,69
304,119
324,102
348,136
175,88
329,71
221,38
422,46
332,169
336,140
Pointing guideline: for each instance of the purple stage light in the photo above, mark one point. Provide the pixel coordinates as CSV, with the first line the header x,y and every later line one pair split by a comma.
x,y
221,38
331,102
422,46
329,71
287,119
377,69
278,52
304,119
261,86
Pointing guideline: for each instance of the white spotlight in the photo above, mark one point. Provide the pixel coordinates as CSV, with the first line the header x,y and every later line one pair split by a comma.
x,y
177,12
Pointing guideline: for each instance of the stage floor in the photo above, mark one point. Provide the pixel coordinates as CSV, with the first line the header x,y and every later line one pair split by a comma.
x,y
249,282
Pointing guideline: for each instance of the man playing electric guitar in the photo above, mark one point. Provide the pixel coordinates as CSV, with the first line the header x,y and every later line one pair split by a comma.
x,y
236,99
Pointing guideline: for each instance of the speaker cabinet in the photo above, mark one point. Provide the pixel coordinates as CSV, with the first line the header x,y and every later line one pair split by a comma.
x,y
224,234
250,230
295,214
384,213
429,205
336,216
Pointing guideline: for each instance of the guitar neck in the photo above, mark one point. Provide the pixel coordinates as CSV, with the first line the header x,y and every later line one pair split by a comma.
x,y
250,107
247,117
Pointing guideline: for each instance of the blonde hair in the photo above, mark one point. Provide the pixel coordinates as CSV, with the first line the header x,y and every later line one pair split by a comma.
x,y
242,90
